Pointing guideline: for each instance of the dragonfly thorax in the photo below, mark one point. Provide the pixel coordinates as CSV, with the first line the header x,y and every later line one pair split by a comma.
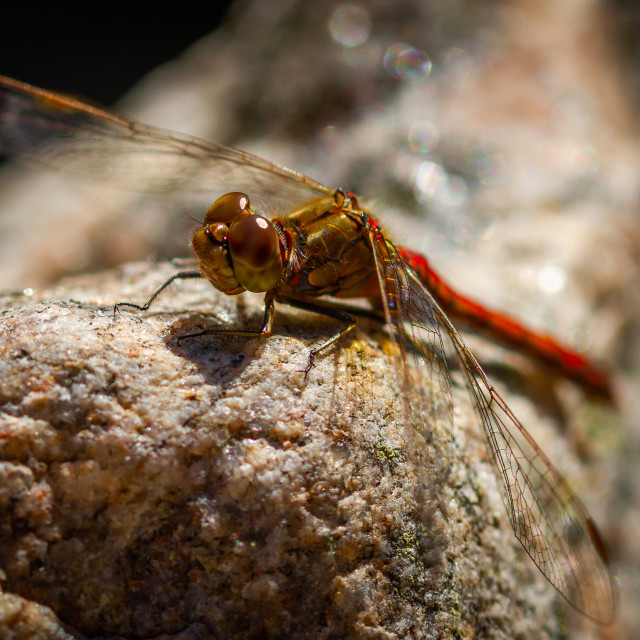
x,y
238,250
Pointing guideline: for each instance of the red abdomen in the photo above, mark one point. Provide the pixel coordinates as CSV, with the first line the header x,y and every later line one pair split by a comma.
x,y
509,332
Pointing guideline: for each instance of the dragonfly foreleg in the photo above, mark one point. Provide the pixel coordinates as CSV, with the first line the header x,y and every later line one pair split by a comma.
x,y
338,314
265,329
181,275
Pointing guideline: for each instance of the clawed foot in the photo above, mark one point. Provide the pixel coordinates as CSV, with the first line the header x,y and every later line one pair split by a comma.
x,y
310,363
118,305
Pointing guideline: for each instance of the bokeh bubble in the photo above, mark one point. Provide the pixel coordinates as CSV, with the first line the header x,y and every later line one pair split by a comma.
x,y
405,62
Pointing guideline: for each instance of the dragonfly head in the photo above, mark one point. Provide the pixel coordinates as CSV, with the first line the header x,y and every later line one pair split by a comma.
x,y
237,249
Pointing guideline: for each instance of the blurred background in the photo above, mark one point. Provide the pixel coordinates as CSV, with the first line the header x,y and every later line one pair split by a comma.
x,y
499,138
100,57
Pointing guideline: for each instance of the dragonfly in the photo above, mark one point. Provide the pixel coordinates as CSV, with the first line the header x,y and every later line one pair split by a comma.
x,y
313,248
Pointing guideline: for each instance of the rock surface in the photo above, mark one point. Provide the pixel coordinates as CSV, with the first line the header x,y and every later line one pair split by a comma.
x,y
206,489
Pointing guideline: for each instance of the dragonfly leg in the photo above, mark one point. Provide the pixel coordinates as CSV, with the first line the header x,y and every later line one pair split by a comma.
x,y
348,318
181,275
265,329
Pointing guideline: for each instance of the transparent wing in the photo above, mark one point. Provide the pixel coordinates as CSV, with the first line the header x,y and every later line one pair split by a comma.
x,y
547,517
63,132
419,353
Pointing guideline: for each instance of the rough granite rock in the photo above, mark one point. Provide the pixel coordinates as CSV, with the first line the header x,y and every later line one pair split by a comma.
x,y
205,489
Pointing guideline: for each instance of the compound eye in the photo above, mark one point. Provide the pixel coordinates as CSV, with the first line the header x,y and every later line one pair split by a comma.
x,y
227,207
254,246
